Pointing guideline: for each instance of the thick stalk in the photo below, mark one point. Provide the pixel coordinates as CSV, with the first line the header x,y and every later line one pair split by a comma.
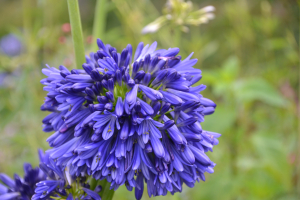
x,y
99,22
106,193
75,22
27,10
177,36
93,183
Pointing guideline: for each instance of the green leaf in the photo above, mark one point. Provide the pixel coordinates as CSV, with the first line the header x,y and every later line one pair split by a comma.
x,y
221,120
258,89
210,49
230,68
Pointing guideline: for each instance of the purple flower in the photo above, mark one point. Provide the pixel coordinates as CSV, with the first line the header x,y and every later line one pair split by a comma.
x,y
47,181
60,183
10,45
20,188
130,119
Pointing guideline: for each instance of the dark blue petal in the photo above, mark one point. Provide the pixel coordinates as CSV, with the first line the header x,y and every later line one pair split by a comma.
x,y
70,197
9,196
188,155
188,122
132,95
79,78
146,107
119,107
138,50
110,84
151,93
136,160
186,176
171,98
198,88
200,155
170,52
140,75
3,189
7,180
140,187
157,146
161,75
147,79
87,68
207,102
109,129
77,87
165,108
101,45
184,95
193,137
93,194
208,110
176,136
125,130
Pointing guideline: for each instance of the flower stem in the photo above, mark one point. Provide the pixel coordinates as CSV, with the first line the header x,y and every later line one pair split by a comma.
x,y
177,36
106,193
75,21
93,183
99,21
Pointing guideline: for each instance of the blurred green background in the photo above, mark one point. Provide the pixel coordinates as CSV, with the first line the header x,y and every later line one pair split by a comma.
x,y
249,58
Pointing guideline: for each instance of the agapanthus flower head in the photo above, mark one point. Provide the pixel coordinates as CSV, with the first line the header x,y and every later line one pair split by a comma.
x,y
131,118
47,182
60,184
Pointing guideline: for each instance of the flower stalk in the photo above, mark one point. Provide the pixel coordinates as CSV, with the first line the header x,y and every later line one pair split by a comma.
x,y
99,21
106,193
75,22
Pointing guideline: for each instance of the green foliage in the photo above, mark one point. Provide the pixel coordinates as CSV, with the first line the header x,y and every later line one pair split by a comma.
x,y
249,58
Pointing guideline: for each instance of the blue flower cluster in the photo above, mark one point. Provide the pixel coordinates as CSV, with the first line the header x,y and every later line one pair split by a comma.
x,y
130,119
59,183
20,188
47,182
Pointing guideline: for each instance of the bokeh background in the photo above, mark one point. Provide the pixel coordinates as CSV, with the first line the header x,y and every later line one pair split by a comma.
x,y
249,55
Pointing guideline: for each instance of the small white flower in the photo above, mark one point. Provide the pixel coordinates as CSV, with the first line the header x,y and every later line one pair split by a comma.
x,y
155,25
209,9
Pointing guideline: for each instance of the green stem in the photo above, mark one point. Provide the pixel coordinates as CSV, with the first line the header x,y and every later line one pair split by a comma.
x,y
31,45
26,16
75,21
99,21
93,183
177,36
106,193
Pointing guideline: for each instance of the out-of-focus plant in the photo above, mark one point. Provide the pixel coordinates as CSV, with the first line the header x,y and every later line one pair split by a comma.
x,y
178,13
240,119
242,91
